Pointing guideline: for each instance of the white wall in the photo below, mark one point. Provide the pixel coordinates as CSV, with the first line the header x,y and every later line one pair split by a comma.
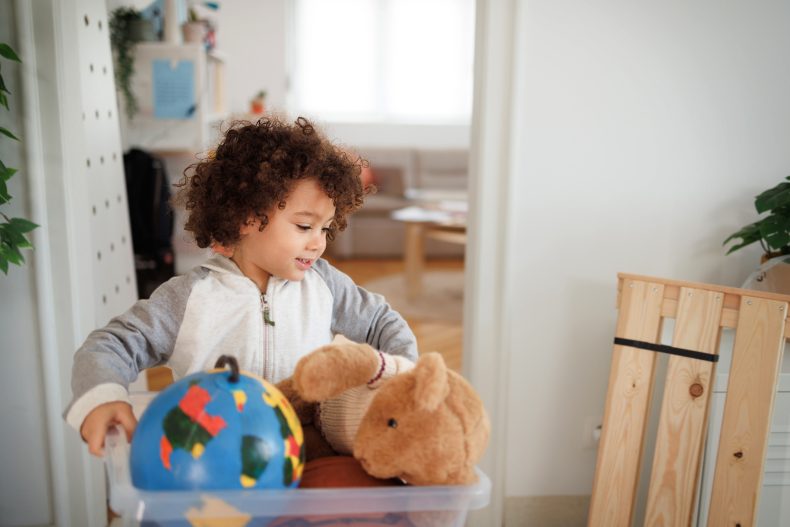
x,y
23,500
252,34
642,133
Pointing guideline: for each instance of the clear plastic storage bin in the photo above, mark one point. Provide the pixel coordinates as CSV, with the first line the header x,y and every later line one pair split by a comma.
x,y
392,506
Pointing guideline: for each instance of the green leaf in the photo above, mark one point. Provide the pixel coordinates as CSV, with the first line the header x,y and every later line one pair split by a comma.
x,y
4,131
17,259
749,231
4,100
745,243
7,52
775,230
748,235
5,197
3,264
3,87
22,225
773,198
12,235
12,254
7,173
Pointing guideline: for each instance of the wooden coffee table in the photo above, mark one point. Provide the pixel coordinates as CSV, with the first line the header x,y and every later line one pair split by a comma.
x,y
444,221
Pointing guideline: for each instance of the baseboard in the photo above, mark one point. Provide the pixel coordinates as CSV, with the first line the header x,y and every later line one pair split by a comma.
x,y
546,511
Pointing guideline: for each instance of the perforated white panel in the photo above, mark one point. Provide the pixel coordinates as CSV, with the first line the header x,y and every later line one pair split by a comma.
x,y
112,257
77,194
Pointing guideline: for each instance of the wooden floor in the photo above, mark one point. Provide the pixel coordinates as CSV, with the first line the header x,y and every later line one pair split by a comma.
x,y
444,337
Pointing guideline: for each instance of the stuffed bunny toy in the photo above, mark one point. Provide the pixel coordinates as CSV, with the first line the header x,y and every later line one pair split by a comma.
x,y
421,423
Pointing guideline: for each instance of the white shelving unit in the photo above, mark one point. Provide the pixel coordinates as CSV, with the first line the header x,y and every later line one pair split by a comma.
x,y
181,97
180,90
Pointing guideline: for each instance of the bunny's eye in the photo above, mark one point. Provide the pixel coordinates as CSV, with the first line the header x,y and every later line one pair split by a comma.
x,y
392,423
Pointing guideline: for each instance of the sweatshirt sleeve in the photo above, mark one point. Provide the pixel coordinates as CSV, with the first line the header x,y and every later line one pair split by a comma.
x,y
363,316
140,338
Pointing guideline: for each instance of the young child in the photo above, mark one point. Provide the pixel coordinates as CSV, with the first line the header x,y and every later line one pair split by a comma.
x,y
266,201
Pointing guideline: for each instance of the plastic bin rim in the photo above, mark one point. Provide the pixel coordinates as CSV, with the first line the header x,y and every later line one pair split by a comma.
x,y
125,499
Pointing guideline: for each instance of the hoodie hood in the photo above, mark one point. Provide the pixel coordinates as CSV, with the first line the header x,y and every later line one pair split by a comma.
x,y
222,264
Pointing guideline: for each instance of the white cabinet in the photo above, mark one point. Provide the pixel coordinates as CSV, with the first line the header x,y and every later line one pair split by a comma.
x,y
181,98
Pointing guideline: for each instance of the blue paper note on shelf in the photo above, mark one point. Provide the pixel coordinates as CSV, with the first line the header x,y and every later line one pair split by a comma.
x,y
174,89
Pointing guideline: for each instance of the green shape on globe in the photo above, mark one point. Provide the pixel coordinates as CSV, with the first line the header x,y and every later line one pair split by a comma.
x,y
254,456
188,426
182,432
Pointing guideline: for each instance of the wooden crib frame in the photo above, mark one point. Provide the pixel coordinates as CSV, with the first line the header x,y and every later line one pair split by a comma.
x,y
700,311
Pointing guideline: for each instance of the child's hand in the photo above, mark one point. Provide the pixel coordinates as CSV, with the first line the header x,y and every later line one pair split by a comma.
x,y
100,419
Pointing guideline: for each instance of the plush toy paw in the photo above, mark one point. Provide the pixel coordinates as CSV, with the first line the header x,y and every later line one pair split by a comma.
x,y
315,444
305,410
332,369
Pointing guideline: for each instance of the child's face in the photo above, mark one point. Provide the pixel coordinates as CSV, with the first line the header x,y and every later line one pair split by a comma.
x,y
294,238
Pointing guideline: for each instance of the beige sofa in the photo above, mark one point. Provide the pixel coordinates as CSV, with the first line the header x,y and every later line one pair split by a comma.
x,y
402,177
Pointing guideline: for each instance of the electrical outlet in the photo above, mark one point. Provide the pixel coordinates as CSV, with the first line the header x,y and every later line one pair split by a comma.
x,y
591,434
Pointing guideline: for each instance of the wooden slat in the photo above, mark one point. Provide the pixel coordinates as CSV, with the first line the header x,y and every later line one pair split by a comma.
x,y
684,411
732,299
627,403
756,360
672,288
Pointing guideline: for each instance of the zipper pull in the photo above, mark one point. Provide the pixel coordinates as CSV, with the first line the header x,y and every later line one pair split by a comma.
x,y
265,309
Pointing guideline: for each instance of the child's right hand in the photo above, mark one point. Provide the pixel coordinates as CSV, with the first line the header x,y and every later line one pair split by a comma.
x,y
102,418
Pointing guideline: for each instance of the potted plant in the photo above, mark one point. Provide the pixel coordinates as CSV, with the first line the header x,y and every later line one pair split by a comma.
x,y
195,28
127,28
772,231
13,231
258,103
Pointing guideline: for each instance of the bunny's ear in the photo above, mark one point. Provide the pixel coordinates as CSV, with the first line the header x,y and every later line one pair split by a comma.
x,y
431,385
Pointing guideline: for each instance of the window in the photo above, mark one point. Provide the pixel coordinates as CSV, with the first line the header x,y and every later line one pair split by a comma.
x,y
383,60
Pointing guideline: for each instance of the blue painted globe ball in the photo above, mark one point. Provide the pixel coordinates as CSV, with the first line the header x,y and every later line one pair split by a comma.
x,y
216,430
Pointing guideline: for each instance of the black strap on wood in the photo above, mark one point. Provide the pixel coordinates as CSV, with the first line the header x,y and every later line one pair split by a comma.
x,y
671,350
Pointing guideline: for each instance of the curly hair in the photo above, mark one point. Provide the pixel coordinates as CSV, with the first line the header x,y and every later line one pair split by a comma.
x,y
254,169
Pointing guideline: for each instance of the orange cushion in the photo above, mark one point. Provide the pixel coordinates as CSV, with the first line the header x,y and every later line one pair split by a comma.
x,y
339,471
342,471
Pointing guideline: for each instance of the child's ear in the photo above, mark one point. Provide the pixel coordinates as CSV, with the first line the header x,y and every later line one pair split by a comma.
x,y
249,226
223,250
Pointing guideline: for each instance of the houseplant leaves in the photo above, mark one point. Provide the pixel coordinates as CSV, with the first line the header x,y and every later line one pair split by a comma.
x,y
772,231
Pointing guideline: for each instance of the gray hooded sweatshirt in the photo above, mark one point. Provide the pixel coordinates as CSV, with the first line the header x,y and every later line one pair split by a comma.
x,y
215,310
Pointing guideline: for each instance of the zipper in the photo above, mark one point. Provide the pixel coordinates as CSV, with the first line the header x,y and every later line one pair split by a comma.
x,y
265,310
267,321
